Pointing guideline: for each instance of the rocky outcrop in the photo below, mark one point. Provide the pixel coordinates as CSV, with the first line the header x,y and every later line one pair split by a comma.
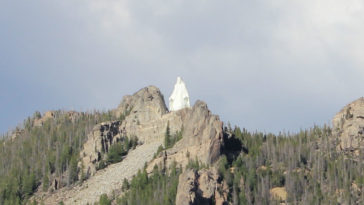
x,y
279,194
348,126
145,116
202,137
145,105
204,132
99,140
39,119
202,187
46,116
73,116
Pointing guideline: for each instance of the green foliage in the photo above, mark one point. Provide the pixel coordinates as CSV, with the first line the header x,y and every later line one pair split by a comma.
x,y
125,185
37,115
160,149
101,165
30,184
158,188
223,165
45,182
104,200
167,137
73,169
169,140
277,178
193,164
116,152
307,164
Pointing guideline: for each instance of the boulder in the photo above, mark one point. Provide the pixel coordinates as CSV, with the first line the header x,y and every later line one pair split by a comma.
x,y
278,193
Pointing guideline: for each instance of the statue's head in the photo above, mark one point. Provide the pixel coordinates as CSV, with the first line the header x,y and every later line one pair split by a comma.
x,y
179,79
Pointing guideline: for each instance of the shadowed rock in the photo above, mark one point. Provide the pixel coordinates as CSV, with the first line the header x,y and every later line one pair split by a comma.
x,y
201,187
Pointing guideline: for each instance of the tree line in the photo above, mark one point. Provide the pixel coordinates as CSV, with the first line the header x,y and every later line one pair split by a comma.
x,y
40,156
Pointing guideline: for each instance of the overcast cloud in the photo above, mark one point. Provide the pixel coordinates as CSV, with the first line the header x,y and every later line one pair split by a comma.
x,y
264,65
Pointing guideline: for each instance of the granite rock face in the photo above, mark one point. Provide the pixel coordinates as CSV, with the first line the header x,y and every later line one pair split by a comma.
x,y
145,105
144,116
202,138
99,140
204,130
148,118
348,126
145,113
202,187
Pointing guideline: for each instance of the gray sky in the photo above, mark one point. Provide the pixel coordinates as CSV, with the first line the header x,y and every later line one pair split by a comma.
x,y
263,65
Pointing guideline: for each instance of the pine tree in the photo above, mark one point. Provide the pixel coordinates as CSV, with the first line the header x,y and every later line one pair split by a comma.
x,y
167,137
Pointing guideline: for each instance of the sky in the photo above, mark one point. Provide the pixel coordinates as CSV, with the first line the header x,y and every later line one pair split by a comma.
x,y
263,65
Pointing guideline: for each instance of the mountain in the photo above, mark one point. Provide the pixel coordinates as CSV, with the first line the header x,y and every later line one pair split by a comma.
x,y
142,153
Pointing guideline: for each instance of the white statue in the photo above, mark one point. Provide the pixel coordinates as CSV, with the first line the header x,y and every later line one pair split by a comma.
x,y
179,98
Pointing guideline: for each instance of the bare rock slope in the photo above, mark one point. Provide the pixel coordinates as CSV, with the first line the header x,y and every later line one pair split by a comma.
x,y
105,181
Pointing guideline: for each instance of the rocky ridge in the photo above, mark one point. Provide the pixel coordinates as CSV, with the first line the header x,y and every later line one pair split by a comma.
x,y
143,115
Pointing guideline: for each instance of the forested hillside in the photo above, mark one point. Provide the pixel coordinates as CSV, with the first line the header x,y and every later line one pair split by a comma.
x,y
302,168
199,160
44,151
306,165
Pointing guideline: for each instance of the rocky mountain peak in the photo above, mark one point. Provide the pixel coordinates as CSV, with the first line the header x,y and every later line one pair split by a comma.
x,y
148,103
146,117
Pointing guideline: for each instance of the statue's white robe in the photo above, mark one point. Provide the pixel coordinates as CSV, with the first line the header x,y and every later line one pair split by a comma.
x,y
179,98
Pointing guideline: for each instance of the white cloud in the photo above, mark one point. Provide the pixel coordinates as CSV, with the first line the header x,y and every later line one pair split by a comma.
x,y
260,64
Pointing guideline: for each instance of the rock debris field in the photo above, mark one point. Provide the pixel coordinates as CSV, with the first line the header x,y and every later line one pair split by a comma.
x,y
108,179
